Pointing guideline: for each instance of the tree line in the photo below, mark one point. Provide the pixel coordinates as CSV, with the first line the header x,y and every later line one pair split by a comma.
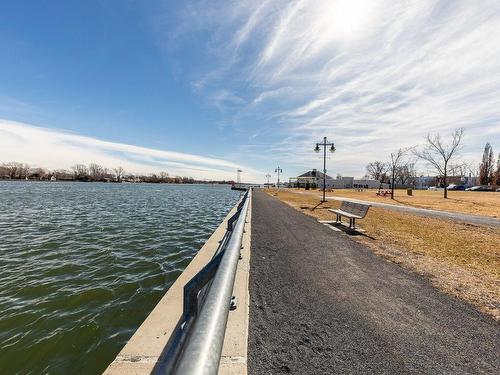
x,y
439,156
89,173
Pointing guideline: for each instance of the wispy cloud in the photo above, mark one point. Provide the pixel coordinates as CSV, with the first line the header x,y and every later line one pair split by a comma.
x,y
11,105
59,149
371,75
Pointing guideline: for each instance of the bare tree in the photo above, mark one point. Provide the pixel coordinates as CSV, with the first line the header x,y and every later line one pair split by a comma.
x,y
395,162
4,172
63,174
377,170
487,166
152,177
11,169
163,176
471,170
96,172
459,169
406,173
16,170
439,156
119,172
37,173
23,171
497,172
80,172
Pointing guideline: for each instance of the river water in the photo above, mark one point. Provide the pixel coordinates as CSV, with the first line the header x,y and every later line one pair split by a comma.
x,y
82,265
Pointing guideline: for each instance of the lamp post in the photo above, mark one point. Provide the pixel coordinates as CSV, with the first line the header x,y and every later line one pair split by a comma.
x,y
268,176
278,171
324,144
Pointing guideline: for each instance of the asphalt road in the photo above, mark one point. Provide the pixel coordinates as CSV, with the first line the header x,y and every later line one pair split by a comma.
x,y
321,303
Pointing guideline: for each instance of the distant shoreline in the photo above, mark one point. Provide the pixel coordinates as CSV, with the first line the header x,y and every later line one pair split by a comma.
x,y
92,173
120,182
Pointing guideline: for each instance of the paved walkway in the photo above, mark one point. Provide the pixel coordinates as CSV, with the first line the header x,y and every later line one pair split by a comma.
x,y
321,303
457,216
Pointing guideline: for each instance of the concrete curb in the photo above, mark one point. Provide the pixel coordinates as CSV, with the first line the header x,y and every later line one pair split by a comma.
x,y
140,355
234,352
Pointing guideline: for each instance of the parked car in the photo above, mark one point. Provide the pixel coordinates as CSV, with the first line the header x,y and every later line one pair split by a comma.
x,y
498,189
434,188
456,187
481,188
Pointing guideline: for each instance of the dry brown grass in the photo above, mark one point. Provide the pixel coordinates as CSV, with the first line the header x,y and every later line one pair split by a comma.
x,y
471,202
461,259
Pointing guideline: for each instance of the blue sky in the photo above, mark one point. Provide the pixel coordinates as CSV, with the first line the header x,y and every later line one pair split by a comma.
x,y
201,88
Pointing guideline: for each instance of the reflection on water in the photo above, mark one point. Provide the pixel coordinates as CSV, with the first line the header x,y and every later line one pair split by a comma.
x,y
82,264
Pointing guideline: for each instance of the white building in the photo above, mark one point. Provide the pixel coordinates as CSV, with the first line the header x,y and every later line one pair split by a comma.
x,y
311,179
314,179
352,183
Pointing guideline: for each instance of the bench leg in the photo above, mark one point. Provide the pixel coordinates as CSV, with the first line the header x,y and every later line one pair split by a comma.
x,y
339,219
353,223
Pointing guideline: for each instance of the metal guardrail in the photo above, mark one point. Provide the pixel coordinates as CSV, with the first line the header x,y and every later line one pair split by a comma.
x,y
195,346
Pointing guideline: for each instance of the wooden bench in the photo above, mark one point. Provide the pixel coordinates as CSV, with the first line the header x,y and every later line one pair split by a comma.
x,y
351,210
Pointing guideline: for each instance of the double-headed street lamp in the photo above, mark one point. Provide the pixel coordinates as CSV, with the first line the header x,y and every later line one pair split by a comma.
x,y
324,144
268,176
278,171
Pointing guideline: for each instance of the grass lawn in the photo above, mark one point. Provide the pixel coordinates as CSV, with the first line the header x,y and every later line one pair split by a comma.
x,y
471,202
461,259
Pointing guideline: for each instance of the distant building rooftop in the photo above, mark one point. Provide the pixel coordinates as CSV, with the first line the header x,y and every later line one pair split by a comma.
x,y
313,174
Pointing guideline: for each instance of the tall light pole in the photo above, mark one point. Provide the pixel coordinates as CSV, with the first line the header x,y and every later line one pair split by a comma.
x,y
278,171
324,144
268,176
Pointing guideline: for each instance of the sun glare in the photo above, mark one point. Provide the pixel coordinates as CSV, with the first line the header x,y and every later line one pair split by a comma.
x,y
347,19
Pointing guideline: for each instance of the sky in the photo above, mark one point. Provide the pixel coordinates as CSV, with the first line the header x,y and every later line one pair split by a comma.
x,y
203,88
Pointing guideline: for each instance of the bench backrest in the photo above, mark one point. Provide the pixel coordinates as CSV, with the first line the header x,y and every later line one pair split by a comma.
x,y
358,209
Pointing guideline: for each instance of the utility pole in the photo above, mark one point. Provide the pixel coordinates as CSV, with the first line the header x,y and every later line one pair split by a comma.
x,y
278,171
332,149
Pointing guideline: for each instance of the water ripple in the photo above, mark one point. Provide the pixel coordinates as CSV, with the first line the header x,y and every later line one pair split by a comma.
x,y
81,265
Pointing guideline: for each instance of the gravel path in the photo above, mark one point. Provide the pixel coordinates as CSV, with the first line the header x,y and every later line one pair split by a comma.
x,y
321,303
